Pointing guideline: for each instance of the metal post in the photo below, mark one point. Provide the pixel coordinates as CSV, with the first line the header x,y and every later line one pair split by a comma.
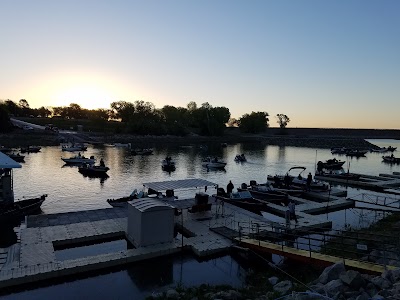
x,y
182,227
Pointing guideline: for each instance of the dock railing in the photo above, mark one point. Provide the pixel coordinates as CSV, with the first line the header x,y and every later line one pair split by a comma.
x,y
379,200
361,246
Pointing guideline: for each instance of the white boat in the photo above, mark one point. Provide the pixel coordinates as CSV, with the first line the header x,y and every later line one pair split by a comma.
x,y
73,147
213,163
380,150
79,159
298,181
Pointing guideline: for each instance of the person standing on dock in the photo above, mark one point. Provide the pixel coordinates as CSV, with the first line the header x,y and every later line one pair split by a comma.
x,y
292,211
309,180
229,187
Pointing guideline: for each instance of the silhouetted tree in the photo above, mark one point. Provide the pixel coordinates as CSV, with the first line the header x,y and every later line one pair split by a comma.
x,y
122,110
12,107
283,120
254,123
5,124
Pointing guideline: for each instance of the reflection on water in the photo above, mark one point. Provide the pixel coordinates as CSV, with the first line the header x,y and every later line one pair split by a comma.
x,y
68,190
142,279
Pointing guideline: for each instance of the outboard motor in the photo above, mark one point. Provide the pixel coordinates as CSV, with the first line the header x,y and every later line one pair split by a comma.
x,y
253,182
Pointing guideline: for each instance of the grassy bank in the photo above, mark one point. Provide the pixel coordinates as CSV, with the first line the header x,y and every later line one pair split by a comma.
x,y
19,138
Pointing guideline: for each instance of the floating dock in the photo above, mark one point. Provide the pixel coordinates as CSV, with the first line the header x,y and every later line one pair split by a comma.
x,y
381,183
34,257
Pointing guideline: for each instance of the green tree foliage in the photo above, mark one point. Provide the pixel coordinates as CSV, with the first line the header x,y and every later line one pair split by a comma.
x,y
5,124
254,123
283,120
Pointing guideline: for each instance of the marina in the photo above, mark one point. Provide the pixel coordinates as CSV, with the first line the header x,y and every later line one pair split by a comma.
x,y
202,229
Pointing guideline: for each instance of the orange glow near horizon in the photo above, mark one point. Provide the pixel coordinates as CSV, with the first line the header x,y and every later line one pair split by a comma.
x,y
87,96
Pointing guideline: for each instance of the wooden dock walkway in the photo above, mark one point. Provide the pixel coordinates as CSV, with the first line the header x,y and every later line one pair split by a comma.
x,y
310,256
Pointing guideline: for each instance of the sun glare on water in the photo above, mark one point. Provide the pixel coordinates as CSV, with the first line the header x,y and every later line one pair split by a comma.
x,y
87,96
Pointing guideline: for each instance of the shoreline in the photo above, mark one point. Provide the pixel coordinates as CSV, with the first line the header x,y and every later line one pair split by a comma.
x,y
21,139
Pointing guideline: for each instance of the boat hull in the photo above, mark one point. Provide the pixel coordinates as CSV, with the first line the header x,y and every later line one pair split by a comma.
x,y
17,210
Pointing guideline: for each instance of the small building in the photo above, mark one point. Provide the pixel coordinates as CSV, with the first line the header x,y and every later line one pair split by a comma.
x,y
150,222
6,178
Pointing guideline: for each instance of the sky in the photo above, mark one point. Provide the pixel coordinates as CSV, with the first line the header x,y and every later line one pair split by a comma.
x,y
326,64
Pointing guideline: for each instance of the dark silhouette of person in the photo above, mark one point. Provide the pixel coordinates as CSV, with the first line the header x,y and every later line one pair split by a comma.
x,y
229,187
287,180
309,180
102,163
292,211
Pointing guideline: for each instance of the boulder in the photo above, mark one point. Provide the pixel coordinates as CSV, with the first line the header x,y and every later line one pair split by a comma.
x,y
331,273
273,280
172,294
388,274
333,287
283,287
381,283
228,295
363,296
353,279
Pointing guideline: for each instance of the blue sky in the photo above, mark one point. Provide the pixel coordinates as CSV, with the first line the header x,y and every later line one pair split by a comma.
x,y
322,63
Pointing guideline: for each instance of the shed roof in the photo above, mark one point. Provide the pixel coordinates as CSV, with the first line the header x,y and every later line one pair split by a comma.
x,y
149,204
8,163
178,184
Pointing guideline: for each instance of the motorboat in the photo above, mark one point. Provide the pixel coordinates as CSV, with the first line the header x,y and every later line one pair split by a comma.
x,y
242,199
93,171
5,149
391,149
339,150
31,149
11,210
259,190
240,158
265,192
145,151
74,147
330,164
164,190
79,159
339,173
17,157
213,163
298,181
356,152
168,164
18,209
391,159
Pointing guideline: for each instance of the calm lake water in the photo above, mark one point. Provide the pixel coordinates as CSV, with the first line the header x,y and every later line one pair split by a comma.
x,y
68,190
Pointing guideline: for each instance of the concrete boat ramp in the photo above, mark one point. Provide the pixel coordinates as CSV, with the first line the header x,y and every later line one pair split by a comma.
x,y
34,257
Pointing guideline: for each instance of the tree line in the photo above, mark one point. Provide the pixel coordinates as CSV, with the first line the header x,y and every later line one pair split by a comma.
x,y
142,117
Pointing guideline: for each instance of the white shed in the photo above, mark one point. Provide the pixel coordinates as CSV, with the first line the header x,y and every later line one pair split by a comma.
x,y
150,222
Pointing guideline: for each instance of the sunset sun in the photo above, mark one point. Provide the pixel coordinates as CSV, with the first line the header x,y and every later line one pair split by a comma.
x,y
87,96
